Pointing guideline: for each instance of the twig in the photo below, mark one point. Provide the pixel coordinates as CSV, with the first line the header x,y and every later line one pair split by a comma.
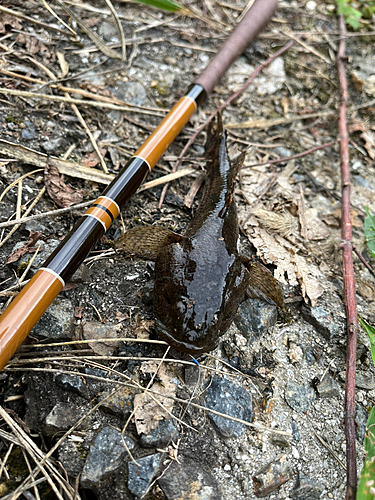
x,y
223,106
293,157
348,274
14,229
364,262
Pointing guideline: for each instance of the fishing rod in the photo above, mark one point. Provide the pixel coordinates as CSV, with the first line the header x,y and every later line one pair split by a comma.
x,y
17,321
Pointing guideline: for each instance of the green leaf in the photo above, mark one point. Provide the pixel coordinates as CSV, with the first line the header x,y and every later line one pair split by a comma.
x,y
370,232
168,5
370,330
367,479
352,15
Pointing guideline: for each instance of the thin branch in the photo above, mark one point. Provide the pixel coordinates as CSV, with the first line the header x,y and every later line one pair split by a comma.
x,y
348,274
363,260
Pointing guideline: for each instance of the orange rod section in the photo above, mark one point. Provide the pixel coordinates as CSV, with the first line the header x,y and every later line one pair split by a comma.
x,y
163,136
25,311
103,208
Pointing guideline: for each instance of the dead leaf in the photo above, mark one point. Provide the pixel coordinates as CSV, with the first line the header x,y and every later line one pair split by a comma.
x,y
147,412
28,248
78,312
121,317
92,159
10,21
291,268
142,328
93,330
64,66
356,126
62,194
355,222
369,139
357,81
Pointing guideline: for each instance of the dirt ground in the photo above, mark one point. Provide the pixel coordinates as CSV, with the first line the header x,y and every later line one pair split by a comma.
x,y
289,215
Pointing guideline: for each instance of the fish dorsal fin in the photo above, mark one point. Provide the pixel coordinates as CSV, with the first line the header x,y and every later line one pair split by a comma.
x,y
262,284
146,242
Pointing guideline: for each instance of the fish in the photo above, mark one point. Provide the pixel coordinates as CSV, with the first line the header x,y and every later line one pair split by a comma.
x,y
200,278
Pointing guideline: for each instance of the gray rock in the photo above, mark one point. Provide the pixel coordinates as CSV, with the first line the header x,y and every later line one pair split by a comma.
x,y
28,133
106,455
63,416
55,146
295,431
271,476
328,388
160,437
363,379
35,225
108,32
361,417
142,475
306,489
192,376
283,152
280,440
72,383
82,275
225,397
189,480
299,397
71,457
57,322
119,403
254,318
131,92
328,317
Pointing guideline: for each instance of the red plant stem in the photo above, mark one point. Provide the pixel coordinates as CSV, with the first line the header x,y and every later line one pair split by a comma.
x,y
364,262
224,105
348,274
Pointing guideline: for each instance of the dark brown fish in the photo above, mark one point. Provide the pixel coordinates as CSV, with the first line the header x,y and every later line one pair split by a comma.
x,y
199,277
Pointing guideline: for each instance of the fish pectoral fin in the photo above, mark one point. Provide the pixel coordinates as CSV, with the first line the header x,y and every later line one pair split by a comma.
x,y
146,242
262,284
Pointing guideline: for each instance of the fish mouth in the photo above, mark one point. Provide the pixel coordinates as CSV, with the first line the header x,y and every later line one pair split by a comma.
x,y
187,347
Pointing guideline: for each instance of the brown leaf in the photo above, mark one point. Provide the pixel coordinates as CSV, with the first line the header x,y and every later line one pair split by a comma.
x,y
10,21
142,328
28,248
62,194
78,312
369,139
92,159
147,412
356,126
93,330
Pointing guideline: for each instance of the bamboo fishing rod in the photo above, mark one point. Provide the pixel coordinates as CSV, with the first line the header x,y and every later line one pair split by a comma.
x,y
24,312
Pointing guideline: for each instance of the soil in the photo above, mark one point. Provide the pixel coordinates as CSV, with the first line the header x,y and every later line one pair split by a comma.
x,y
165,52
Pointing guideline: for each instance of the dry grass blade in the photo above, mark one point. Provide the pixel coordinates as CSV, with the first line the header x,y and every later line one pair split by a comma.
x,y
17,180
91,34
32,21
119,28
257,426
49,471
70,100
264,124
36,200
33,157
51,11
